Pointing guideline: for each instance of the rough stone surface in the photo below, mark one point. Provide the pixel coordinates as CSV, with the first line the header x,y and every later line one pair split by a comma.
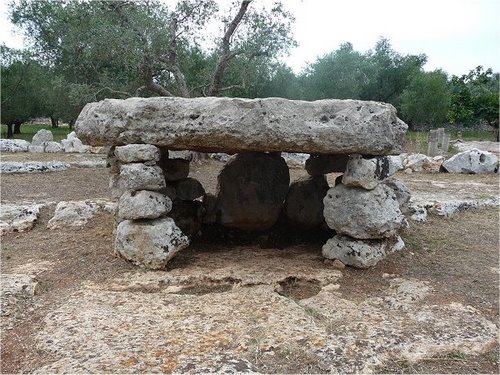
x,y
32,166
72,214
472,161
138,176
422,163
360,253
143,204
363,214
53,147
237,125
402,192
73,144
251,190
137,153
149,243
188,189
367,173
18,218
36,149
244,321
304,201
324,164
174,169
16,289
42,137
13,145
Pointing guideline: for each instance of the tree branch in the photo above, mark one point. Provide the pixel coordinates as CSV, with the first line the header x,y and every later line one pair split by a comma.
x,y
226,50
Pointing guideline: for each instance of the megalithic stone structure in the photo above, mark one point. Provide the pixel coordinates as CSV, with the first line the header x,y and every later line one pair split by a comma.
x,y
337,132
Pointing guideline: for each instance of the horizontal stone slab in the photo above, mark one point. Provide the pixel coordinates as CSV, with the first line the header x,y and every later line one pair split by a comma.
x,y
237,125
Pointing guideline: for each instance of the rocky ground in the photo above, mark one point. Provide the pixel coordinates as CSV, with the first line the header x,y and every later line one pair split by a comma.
x,y
70,305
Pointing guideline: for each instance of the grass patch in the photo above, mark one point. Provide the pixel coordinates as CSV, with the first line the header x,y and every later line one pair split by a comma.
x,y
29,130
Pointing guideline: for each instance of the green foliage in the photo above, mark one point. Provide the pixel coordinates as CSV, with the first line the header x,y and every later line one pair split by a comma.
x,y
475,98
426,99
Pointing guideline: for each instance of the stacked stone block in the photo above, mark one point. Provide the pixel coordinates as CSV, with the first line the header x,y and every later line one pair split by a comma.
x,y
145,235
365,210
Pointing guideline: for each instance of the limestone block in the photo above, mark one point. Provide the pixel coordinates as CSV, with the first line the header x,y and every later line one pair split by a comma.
x,y
360,253
188,189
137,153
251,190
13,145
72,214
217,124
53,147
367,173
472,161
32,166
304,201
324,164
149,243
174,169
363,214
143,204
402,192
36,149
18,218
41,137
138,176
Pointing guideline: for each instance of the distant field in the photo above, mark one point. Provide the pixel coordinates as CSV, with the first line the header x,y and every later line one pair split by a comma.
x,y
29,130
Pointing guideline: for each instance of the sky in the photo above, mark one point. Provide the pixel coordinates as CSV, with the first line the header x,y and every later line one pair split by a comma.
x,y
456,35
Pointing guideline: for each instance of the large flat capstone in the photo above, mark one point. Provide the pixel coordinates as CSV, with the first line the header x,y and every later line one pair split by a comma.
x,y
237,125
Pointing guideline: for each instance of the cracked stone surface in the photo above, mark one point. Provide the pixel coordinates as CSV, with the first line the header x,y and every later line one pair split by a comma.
x,y
189,320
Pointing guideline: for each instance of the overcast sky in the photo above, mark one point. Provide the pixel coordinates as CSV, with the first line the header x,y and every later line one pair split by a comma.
x,y
456,35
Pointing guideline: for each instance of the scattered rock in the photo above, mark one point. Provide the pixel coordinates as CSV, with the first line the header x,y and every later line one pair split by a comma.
x,y
74,145
324,164
36,149
132,153
251,190
304,201
53,147
18,218
42,137
421,162
360,253
217,124
149,243
32,166
72,214
143,204
472,161
16,289
13,145
363,214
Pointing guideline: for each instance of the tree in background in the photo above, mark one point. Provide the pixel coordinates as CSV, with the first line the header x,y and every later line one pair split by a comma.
x,y
475,98
131,48
22,76
426,99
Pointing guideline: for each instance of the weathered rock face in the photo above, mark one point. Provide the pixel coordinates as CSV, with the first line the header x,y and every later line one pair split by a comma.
x,y
143,204
367,173
188,216
14,145
304,201
251,191
72,214
324,164
150,243
137,153
18,218
42,137
238,125
53,147
138,176
402,192
360,253
363,214
472,161
188,189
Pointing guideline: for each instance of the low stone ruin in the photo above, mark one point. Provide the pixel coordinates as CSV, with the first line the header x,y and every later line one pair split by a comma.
x,y
160,208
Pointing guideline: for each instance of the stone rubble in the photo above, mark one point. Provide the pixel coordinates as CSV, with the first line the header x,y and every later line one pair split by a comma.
x,y
18,218
13,145
32,166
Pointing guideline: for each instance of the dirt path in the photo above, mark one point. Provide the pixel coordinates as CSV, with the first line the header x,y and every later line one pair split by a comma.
x,y
240,307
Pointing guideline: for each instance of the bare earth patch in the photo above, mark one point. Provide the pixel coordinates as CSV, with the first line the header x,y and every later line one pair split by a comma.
x,y
227,307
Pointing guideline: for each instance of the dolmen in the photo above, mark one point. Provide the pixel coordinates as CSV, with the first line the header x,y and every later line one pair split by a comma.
x,y
161,208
